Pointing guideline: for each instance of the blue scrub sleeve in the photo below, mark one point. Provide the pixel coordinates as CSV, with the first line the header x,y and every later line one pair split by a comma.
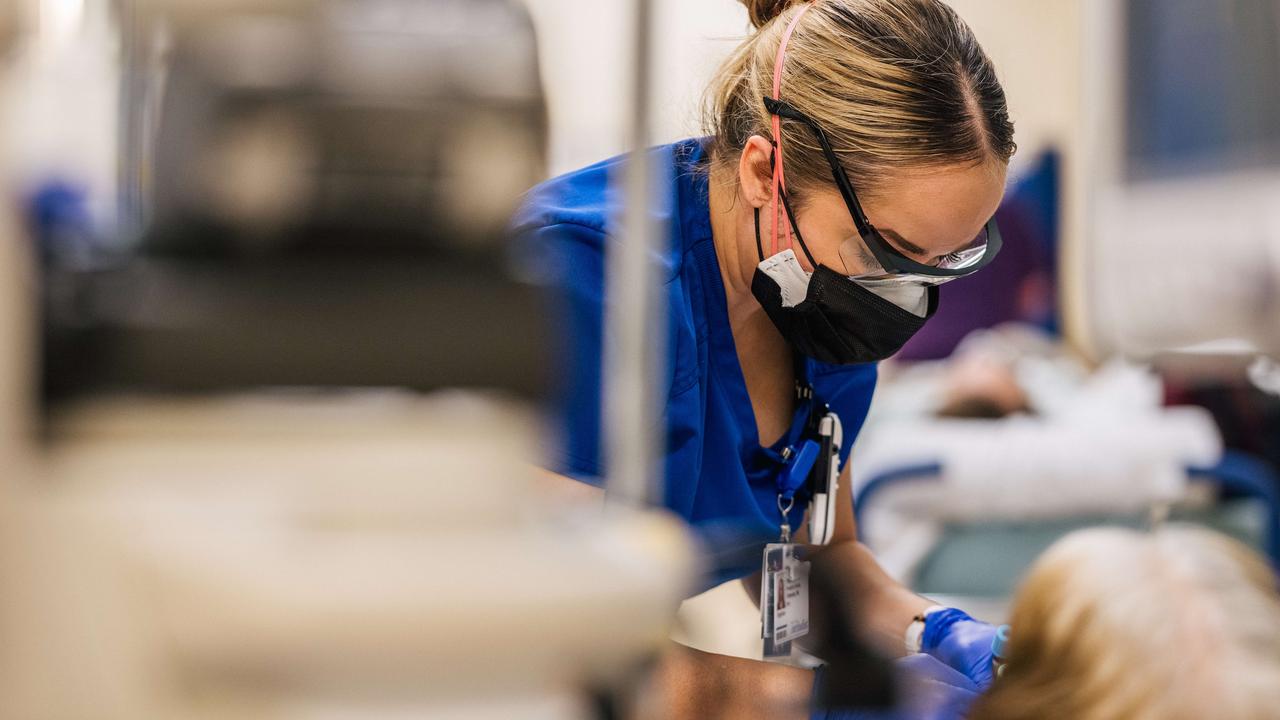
x,y
570,259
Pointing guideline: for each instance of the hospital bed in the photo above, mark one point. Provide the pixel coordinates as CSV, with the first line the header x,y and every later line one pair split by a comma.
x,y
983,558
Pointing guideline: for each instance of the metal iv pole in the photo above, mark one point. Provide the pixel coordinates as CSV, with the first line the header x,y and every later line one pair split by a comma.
x,y
634,337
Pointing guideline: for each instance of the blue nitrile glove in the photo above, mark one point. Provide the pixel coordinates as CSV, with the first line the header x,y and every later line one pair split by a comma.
x,y
929,691
961,642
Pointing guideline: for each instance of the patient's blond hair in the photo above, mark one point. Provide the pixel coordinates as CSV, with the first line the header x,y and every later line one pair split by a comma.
x,y
1112,624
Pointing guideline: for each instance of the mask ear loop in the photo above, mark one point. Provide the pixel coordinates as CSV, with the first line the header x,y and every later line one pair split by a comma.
x,y
786,204
779,177
759,245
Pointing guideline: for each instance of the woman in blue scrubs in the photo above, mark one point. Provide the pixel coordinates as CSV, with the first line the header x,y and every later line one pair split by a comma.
x,y
857,153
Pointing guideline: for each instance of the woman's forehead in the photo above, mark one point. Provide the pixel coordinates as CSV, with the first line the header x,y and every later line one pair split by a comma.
x,y
935,211
940,210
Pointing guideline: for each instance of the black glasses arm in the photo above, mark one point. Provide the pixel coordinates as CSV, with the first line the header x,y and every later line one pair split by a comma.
x,y
782,109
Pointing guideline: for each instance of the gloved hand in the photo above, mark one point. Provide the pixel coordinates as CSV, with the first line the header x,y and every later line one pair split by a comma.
x,y
961,642
934,691
929,690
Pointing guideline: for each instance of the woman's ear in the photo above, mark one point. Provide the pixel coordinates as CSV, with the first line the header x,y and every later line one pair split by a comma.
x,y
755,172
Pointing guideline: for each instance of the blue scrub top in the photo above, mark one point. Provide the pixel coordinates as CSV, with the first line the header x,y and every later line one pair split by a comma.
x,y
717,476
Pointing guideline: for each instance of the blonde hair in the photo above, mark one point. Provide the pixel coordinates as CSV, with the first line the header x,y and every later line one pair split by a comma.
x,y
895,84
1111,624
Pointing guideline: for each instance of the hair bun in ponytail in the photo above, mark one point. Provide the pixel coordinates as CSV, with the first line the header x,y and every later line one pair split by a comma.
x,y
762,11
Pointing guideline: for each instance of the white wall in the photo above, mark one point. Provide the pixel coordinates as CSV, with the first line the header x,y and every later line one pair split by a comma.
x,y
585,51
1035,45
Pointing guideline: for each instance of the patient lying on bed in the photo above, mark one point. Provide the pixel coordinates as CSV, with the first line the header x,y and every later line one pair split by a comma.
x,y
1181,623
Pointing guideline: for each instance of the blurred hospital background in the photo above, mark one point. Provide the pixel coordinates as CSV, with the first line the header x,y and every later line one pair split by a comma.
x,y
269,385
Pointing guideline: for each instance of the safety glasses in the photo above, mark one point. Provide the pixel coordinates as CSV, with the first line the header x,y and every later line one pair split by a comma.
x,y
880,258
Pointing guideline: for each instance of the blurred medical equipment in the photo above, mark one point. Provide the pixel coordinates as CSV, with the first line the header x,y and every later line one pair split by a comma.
x,y
259,556
328,176
230,513
1181,229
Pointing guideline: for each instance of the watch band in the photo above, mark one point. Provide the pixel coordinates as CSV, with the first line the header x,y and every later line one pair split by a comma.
x,y
915,631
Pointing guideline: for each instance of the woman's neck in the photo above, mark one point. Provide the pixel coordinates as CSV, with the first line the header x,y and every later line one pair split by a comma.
x,y
763,355
737,265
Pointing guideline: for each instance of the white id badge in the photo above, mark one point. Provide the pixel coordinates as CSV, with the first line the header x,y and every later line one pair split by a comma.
x,y
770,569
784,598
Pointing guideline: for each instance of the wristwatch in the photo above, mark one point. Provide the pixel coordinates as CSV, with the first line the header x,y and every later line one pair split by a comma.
x,y
915,630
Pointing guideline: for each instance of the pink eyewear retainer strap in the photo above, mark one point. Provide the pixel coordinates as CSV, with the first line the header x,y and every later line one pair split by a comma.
x,y
779,176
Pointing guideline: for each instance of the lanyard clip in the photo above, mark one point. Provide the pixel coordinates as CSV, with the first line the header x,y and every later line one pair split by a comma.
x,y
796,472
784,507
794,475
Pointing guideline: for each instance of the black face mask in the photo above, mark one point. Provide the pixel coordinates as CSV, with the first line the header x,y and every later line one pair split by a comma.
x,y
838,321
